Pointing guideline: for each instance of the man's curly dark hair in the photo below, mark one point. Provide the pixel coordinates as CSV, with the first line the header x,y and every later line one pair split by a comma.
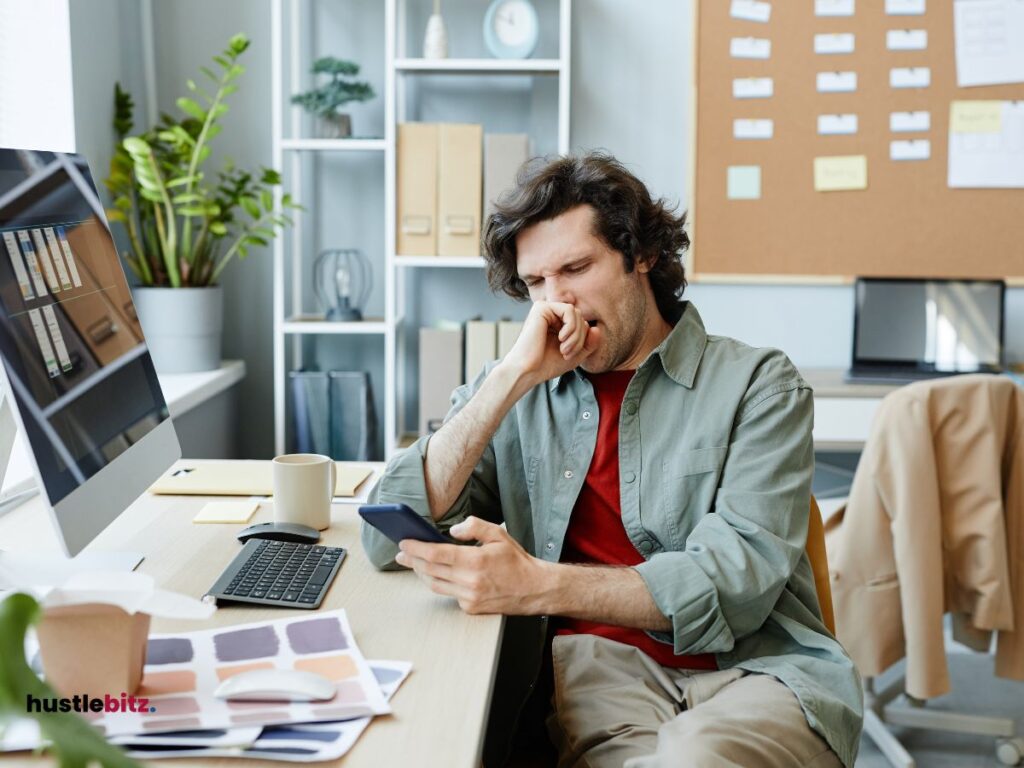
x,y
626,218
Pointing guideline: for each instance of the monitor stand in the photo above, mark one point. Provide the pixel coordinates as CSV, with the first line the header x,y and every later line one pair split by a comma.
x,y
47,568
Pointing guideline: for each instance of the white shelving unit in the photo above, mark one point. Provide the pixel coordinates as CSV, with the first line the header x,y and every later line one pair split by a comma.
x,y
289,322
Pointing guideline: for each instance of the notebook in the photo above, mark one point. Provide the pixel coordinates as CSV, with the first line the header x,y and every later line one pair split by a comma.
x,y
243,478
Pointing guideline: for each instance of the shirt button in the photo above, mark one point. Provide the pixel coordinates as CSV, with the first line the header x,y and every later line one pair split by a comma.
x,y
645,547
586,415
567,474
629,477
631,408
549,546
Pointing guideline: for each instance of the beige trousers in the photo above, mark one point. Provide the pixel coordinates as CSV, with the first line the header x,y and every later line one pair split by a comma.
x,y
615,706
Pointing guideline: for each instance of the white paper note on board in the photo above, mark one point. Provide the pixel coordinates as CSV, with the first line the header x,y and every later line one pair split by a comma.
x,y
913,149
989,42
986,145
833,7
751,10
906,39
837,82
905,7
829,125
750,48
840,42
752,129
752,88
903,122
910,77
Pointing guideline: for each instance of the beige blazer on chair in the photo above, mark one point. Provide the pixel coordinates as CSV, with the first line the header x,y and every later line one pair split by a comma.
x,y
934,523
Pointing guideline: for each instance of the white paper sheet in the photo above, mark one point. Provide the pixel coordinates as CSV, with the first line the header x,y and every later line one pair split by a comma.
x,y
752,129
905,7
752,88
751,10
837,82
132,592
910,77
989,37
906,39
840,42
912,149
304,742
833,7
986,151
750,48
837,124
198,661
905,122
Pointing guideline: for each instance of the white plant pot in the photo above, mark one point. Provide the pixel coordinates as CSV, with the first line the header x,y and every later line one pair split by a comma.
x,y
182,326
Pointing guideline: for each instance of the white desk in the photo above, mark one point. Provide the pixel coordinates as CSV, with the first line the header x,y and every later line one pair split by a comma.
x,y
842,411
439,713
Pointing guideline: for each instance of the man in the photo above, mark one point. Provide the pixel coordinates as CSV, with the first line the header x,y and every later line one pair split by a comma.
x,y
654,482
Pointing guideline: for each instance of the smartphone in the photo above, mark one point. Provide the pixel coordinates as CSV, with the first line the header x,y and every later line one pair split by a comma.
x,y
398,522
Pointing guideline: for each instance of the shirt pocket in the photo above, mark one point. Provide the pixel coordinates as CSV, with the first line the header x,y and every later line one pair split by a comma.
x,y
689,484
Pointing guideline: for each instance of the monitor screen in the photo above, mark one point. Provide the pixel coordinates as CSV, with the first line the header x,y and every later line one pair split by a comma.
x,y
70,341
938,325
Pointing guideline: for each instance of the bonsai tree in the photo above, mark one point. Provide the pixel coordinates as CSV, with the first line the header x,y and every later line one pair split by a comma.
x,y
326,100
184,227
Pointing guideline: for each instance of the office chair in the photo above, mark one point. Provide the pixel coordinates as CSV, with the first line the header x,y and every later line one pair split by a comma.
x,y
900,485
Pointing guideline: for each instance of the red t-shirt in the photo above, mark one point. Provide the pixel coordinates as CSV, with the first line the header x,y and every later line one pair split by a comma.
x,y
596,534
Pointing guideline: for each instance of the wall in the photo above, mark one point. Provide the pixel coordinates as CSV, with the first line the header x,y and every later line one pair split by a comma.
x,y
631,69
28,121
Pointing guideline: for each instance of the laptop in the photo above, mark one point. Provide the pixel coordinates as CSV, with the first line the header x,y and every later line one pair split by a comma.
x,y
910,329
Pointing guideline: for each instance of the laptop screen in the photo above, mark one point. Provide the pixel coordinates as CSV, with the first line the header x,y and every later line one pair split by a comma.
x,y
929,325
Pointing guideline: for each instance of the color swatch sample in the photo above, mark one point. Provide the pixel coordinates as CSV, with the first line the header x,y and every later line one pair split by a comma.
x,y
316,636
182,671
295,742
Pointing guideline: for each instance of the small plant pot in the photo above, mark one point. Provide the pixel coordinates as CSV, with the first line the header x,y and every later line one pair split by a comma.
x,y
182,327
335,126
93,648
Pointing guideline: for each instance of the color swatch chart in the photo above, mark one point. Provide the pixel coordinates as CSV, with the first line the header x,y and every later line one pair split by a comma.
x,y
298,742
183,670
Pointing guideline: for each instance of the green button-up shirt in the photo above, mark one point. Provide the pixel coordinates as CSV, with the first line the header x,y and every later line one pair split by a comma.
x,y
715,467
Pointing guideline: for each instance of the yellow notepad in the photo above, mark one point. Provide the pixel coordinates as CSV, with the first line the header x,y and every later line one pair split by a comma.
x,y
227,511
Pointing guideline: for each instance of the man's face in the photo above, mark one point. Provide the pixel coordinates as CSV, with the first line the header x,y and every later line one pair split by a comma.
x,y
562,260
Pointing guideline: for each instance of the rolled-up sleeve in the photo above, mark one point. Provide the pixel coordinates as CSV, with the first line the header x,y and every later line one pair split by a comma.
x,y
739,557
404,482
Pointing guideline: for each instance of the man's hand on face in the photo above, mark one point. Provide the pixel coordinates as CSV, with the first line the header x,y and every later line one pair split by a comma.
x,y
555,339
498,576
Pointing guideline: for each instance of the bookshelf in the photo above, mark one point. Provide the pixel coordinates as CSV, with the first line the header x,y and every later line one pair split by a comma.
x,y
292,323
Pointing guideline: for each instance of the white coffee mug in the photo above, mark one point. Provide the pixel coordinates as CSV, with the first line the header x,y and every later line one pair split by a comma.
x,y
303,489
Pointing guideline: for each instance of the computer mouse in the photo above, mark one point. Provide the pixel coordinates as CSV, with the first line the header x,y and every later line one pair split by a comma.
x,y
276,685
280,532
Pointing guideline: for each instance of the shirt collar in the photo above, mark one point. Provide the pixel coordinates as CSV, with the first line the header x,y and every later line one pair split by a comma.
x,y
680,353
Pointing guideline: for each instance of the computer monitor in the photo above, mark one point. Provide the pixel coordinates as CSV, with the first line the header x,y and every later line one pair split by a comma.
x,y
78,374
927,327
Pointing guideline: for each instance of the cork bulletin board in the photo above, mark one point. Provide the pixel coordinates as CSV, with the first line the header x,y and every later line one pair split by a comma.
x,y
773,223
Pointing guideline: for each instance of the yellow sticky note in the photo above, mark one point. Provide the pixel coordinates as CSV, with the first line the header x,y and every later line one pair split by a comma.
x,y
839,172
227,511
976,116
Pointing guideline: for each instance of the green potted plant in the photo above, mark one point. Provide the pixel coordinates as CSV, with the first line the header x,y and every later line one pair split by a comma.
x,y
325,100
185,227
